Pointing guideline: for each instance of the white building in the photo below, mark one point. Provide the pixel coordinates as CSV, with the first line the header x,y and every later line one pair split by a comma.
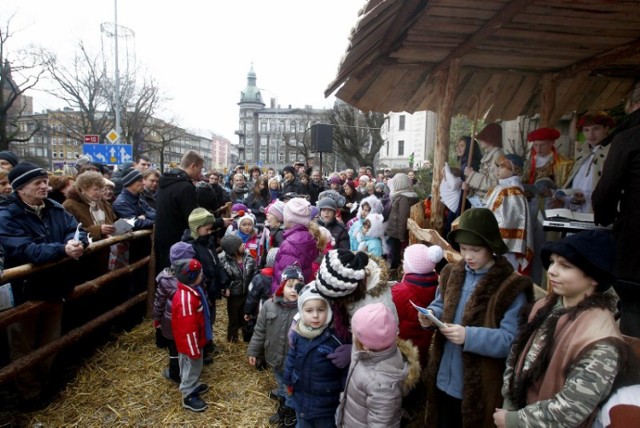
x,y
404,134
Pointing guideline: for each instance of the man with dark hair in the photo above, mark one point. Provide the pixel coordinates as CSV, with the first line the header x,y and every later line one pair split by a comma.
x,y
176,199
142,163
150,180
35,229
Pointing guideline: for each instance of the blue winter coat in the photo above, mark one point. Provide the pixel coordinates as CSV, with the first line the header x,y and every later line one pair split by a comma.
x,y
316,381
28,238
127,205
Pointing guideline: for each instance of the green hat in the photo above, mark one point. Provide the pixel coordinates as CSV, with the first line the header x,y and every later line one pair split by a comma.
x,y
199,217
478,227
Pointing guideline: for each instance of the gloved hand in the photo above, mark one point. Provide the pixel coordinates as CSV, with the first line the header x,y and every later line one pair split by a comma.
x,y
341,357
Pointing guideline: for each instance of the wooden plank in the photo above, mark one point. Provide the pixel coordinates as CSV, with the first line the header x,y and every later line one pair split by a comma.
x,y
615,54
550,20
404,18
505,95
568,94
558,35
547,100
521,98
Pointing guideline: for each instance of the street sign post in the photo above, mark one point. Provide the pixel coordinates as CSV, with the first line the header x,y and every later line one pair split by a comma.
x,y
109,154
91,139
113,136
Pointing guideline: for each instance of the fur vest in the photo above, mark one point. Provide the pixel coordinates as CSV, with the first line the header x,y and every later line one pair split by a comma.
x,y
486,307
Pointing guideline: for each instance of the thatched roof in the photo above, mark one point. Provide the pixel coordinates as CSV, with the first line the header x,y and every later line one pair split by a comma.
x,y
588,51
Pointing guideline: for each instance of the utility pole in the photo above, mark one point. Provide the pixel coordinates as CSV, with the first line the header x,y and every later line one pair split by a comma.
x,y
117,71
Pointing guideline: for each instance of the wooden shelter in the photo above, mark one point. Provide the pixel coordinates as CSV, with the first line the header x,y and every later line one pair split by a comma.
x,y
499,58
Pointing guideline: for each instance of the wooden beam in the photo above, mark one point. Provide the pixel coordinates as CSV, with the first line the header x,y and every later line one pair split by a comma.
x,y
494,24
548,100
450,91
408,14
618,53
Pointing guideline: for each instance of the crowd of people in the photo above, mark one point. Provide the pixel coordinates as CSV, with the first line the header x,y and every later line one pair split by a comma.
x,y
358,327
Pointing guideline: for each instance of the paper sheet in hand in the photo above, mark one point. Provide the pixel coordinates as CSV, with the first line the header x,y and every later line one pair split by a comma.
x,y
426,312
123,226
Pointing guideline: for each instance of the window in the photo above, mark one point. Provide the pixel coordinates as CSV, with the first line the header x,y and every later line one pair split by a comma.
x,y
388,148
292,127
54,154
400,147
263,125
401,122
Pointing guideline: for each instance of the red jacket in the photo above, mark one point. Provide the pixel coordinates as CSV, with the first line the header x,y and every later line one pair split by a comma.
x,y
421,290
187,321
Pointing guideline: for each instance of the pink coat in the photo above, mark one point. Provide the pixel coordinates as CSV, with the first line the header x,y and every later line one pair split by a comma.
x,y
299,246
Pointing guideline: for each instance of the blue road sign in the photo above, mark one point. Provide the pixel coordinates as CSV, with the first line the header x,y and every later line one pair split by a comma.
x,y
110,154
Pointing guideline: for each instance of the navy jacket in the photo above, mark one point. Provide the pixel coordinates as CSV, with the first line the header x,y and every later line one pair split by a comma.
x,y
316,381
127,205
27,238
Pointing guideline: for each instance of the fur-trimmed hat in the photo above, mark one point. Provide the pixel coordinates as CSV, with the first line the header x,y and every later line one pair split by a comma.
x,y
297,211
181,250
491,134
340,272
131,177
478,227
420,259
199,217
375,326
10,157
230,244
378,226
23,173
593,252
187,271
374,204
543,134
327,204
337,197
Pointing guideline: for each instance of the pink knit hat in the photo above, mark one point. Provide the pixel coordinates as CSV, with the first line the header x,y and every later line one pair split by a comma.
x,y
276,209
419,258
375,326
297,211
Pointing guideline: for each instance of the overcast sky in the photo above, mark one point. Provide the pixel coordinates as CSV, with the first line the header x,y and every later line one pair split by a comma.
x,y
200,51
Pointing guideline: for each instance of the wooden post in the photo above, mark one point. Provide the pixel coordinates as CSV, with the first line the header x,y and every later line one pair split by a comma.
x,y
547,101
449,89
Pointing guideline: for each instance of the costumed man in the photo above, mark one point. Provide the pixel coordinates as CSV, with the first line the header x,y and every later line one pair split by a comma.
x,y
481,181
544,160
589,162
509,205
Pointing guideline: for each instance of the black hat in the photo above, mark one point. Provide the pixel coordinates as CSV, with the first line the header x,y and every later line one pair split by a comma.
x,y
479,227
10,157
289,195
25,172
591,251
131,177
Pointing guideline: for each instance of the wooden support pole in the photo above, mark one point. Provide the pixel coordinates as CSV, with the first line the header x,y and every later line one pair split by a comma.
x,y
11,370
449,92
547,101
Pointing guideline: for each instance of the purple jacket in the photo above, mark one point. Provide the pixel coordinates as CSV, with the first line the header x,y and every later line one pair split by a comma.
x,y
298,246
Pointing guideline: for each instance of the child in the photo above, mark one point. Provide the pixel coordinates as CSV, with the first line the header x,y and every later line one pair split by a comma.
x,y
565,361
327,219
381,371
300,240
313,381
188,324
368,205
480,299
274,188
260,287
238,271
237,210
166,289
275,225
510,206
270,336
418,285
371,235
249,235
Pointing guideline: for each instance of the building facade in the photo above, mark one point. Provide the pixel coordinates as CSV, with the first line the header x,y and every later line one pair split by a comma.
x,y
406,134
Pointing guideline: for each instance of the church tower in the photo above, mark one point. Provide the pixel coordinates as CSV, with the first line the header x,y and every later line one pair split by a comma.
x,y
250,103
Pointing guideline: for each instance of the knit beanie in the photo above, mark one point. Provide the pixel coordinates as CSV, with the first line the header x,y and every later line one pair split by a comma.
x,y
297,211
276,209
230,244
478,227
131,177
186,271
375,326
337,197
23,173
400,182
327,204
340,272
239,207
271,257
199,217
418,258
310,292
245,217
593,252
10,157
181,250
364,179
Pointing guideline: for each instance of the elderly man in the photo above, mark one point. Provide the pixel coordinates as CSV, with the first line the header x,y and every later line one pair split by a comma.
x,y
35,229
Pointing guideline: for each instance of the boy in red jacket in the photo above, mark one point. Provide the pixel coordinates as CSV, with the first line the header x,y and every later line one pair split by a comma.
x,y
188,325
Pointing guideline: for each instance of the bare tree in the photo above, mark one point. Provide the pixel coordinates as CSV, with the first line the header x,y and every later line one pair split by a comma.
x,y
13,102
82,86
298,140
159,135
356,135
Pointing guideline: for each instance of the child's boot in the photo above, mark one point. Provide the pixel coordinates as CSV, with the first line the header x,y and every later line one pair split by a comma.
x,y
289,419
278,417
